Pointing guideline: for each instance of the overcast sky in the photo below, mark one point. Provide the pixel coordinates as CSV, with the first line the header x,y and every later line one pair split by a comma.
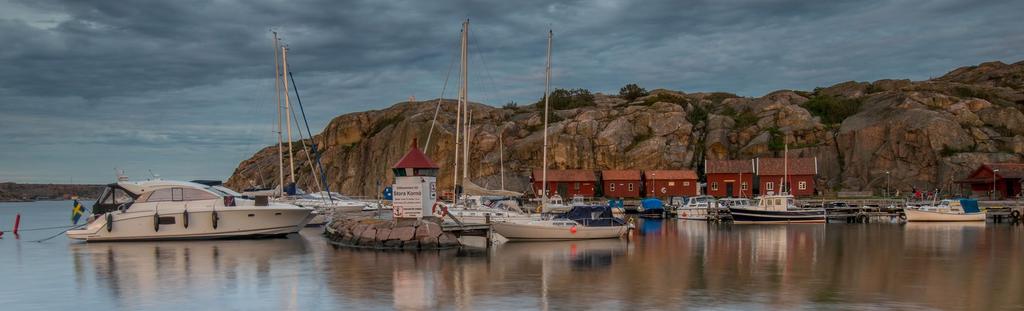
x,y
185,88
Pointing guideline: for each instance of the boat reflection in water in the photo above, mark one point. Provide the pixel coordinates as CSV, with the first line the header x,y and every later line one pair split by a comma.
x,y
148,275
685,264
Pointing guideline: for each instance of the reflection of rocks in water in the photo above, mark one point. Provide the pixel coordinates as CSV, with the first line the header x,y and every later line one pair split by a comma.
x,y
363,231
141,273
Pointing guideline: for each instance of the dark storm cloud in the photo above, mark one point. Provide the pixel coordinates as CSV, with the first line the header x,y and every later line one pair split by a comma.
x,y
185,86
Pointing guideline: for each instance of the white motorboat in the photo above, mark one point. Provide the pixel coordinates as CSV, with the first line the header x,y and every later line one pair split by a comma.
x,y
176,210
477,210
946,211
695,207
580,223
776,209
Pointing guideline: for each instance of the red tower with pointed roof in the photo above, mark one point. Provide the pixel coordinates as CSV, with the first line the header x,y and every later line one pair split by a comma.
x,y
415,188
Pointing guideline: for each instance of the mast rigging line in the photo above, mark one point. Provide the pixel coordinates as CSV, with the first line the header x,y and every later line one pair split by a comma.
x,y
440,99
315,150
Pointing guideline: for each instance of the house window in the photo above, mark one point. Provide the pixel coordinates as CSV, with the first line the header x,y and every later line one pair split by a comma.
x,y
802,185
686,184
576,186
630,186
714,186
743,186
769,186
671,184
611,187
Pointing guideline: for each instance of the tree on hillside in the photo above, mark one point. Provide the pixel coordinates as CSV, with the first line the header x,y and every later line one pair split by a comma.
x,y
562,99
632,91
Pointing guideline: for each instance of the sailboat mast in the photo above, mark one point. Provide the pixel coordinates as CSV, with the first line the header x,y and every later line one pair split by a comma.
x,y
277,93
501,157
465,98
288,115
547,82
458,121
785,168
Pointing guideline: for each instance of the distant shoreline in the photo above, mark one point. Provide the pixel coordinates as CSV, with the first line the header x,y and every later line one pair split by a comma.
x,y
15,192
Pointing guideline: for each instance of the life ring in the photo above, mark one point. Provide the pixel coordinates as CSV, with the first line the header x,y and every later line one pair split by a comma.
x,y
110,222
862,219
1015,214
215,219
437,206
184,218
156,222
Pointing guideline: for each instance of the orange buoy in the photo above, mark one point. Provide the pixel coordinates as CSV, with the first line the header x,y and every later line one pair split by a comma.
x,y
573,229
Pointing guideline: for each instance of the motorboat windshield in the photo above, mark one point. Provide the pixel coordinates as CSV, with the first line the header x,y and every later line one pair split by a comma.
x,y
114,197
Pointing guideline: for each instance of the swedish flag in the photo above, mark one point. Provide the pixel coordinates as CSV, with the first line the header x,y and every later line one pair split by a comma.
x,y
76,212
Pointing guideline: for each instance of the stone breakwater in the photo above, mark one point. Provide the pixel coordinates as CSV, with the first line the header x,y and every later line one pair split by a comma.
x,y
402,234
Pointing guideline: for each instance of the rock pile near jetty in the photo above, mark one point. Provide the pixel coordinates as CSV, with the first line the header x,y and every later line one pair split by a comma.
x,y
405,234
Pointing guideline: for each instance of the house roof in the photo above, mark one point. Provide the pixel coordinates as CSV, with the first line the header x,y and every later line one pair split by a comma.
x,y
565,175
729,166
670,174
415,159
777,166
1006,170
620,174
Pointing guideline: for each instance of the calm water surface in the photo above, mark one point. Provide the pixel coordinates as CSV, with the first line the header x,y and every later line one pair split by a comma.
x,y
667,264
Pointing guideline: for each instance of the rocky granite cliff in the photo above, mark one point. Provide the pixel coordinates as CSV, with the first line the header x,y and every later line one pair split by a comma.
x,y
926,133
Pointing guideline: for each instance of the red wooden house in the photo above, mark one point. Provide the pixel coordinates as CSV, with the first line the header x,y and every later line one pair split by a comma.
x,y
566,183
670,183
621,183
799,175
1004,178
729,178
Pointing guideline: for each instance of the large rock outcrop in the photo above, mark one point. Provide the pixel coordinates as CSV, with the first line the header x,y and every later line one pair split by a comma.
x,y
926,133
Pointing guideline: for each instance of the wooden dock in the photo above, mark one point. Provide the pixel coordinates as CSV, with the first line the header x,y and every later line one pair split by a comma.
x,y
485,231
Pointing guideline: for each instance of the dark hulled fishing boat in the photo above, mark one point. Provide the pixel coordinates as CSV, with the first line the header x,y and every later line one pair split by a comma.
x,y
776,209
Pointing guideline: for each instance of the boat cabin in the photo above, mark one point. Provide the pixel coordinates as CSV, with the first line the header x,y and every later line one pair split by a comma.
x,y
122,195
776,203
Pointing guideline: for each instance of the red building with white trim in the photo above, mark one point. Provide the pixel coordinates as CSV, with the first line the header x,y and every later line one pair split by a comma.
x,y
566,183
1004,178
729,178
621,183
799,174
670,183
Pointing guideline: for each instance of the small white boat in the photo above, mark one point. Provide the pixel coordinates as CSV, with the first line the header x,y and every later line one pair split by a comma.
x,y
580,223
177,210
477,210
695,207
946,211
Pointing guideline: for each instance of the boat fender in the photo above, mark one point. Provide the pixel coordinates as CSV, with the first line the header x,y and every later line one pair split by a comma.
x,y
110,222
572,230
1015,214
215,219
184,218
903,216
156,222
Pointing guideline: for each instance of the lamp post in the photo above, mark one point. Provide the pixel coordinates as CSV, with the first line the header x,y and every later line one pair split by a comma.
x,y
886,184
994,182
